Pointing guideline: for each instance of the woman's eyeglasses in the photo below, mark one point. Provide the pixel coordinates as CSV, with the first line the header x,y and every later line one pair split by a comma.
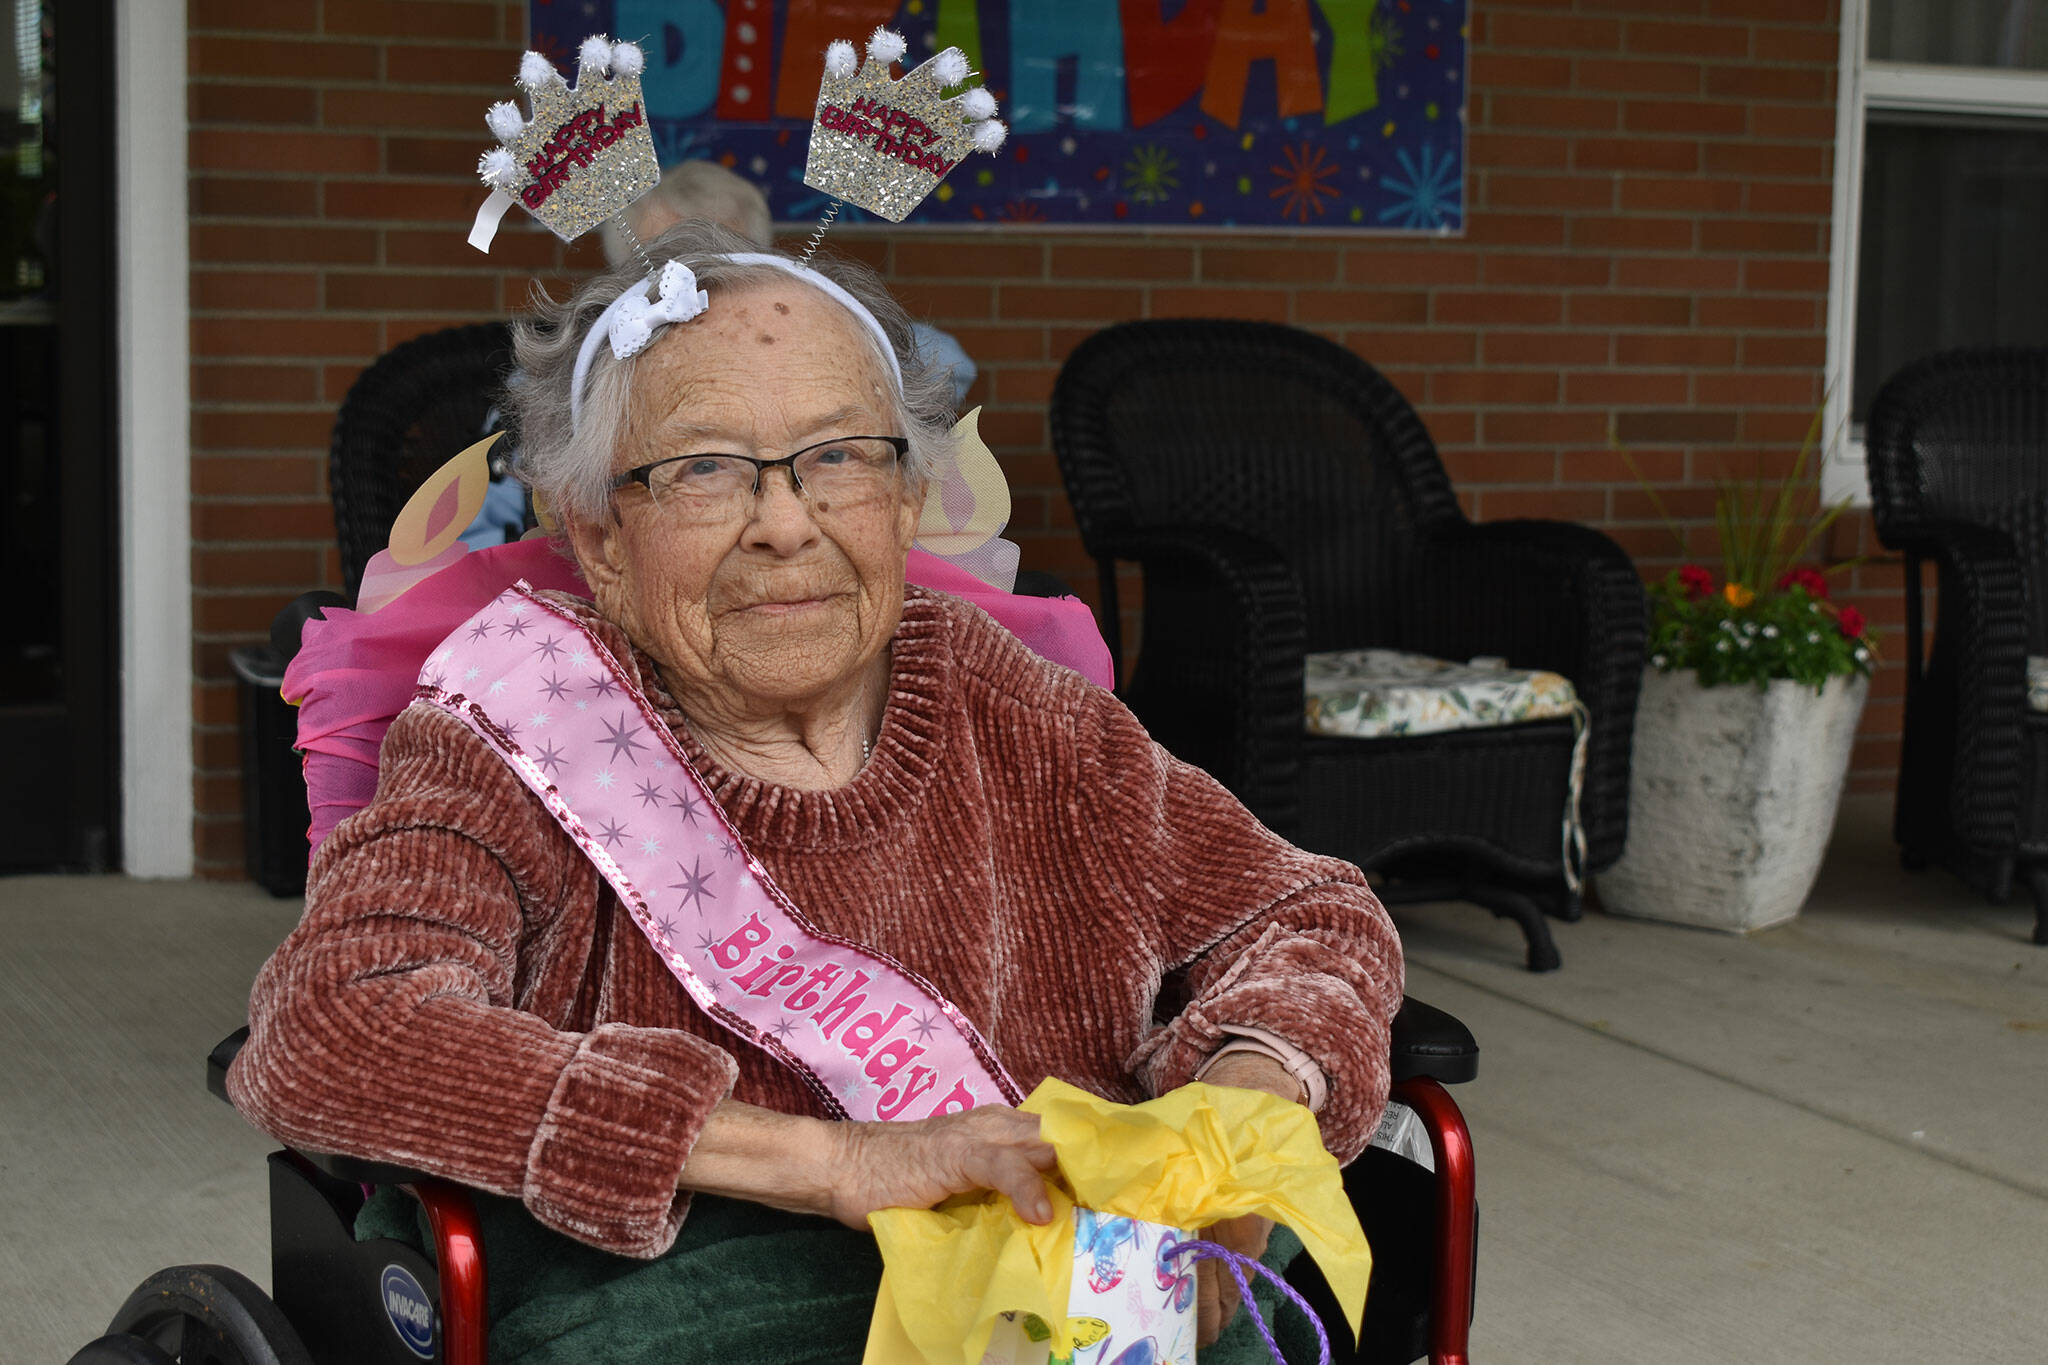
x,y
834,475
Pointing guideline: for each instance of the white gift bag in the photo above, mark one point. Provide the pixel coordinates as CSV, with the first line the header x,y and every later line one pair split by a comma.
x,y
1130,1303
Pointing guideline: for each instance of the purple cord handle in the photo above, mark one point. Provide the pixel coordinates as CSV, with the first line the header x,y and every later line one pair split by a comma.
x,y
1235,1262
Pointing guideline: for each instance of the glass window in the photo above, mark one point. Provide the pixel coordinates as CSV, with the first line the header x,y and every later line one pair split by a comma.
x,y
1991,33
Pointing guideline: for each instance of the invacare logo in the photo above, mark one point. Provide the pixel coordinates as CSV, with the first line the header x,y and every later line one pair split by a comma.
x,y
410,1310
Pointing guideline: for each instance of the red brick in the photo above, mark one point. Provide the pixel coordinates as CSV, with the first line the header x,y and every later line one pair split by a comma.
x,y
1351,307
985,258
1688,349
1683,116
1815,200
1687,40
1494,71
412,19
1500,347
448,157
1784,314
1607,465
396,201
941,301
1541,426
1264,305
246,16
1489,308
1786,351
1560,504
287,59
988,345
1263,264
248,149
1523,113
1102,261
1504,190
1429,346
1674,427
1631,310
1632,234
1765,158
1014,428
1768,82
1747,234
1547,33
1438,263
263,566
1807,276
477,68
1655,194
237,197
263,523
283,336
1514,229
1490,466
1774,11
1487,150
211,103
1638,77
218,383
1608,387
1493,386
1023,383
1659,504
247,477
228,244
1698,274
1813,122
1634,154
254,291
410,111
516,250
391,293
1760,390
1549,268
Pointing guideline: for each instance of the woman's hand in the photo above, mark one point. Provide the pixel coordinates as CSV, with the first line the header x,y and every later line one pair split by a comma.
x,y
1215,1291
915,1165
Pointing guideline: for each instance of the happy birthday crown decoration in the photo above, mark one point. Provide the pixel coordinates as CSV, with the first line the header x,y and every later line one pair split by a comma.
x,y
885,143
584,153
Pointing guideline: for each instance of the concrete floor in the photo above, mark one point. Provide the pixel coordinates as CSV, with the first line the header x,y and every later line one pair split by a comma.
x,y
1827,1142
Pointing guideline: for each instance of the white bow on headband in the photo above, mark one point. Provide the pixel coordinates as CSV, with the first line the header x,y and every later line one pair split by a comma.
x,y
637,317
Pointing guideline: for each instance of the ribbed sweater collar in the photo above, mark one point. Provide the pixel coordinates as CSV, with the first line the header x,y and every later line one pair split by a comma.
x,y
890,787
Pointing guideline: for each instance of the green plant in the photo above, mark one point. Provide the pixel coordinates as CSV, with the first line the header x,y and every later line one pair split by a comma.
x,y
1768,615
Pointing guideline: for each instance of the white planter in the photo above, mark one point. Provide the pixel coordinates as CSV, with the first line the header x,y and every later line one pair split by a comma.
x,y
1732,797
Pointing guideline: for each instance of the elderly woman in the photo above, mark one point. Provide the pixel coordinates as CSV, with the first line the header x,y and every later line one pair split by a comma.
x,y
466,994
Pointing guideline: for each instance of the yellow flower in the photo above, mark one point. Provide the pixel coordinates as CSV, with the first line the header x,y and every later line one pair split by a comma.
x,y
1737,595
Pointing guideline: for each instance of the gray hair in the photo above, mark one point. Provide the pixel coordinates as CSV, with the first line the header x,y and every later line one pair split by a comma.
x,y
571,467
692,189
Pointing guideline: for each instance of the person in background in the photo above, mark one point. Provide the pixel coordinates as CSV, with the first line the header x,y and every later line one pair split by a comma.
x,y
707,190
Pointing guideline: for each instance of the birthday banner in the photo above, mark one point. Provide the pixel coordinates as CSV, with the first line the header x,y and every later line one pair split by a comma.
x,y
1318,114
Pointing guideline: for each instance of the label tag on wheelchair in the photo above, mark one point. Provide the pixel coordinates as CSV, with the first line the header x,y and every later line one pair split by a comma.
x,y
410,1310
1401,1133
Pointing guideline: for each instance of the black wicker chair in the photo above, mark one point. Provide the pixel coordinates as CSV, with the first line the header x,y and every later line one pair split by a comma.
x,y
1958,459
405,416
1283,498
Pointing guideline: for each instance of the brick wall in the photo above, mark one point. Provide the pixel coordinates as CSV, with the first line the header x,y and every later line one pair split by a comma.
x,y
1646,251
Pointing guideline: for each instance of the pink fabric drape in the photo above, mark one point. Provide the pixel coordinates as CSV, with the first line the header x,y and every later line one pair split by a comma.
x,y
354,673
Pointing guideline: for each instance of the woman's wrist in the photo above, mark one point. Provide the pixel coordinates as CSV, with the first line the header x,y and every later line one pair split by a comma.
x,y
786,1161
1256,1071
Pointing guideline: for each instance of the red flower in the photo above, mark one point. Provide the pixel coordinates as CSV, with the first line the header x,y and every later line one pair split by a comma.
x,y
1807,577
1852,623
1696,581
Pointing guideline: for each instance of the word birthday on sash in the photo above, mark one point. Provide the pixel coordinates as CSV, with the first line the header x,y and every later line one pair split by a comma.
x,y
832,996
575,144
895,133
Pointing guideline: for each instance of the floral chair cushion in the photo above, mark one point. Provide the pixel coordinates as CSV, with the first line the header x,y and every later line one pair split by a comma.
x,y
1369,693
2037,683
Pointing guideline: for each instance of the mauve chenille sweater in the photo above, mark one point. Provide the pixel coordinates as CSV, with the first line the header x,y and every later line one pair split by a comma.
x,y
465,996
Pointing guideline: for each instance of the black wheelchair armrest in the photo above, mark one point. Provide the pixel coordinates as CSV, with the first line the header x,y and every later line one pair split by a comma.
x,y
1429,1042
286,626
340,1167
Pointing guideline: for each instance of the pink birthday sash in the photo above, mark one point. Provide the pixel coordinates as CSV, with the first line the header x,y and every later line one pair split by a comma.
x,y
872,1038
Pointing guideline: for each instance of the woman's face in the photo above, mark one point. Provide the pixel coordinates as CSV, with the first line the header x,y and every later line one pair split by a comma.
x,y
781,605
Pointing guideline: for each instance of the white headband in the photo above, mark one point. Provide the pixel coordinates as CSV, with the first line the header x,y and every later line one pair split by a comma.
x,y
630,320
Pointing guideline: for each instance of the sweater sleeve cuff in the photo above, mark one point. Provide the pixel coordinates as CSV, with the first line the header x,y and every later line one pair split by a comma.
x,y
624,1115
1315,1087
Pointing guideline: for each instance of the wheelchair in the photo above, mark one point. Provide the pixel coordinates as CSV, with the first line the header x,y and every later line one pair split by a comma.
x,y
337,1301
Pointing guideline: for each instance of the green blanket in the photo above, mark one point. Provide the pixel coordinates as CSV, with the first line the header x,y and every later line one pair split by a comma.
x,y
743,1285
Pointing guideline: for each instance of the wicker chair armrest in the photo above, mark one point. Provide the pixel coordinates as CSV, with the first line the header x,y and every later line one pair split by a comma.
x,y
1255,648
1551,595
1982,639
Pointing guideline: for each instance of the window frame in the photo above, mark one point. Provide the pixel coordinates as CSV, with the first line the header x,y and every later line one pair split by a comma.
x,y
1865,86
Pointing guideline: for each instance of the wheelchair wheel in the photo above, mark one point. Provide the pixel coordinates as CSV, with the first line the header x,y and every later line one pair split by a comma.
x,y
199,1315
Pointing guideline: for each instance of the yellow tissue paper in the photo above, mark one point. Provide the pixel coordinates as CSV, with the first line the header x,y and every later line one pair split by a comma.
x,y
1197,1156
